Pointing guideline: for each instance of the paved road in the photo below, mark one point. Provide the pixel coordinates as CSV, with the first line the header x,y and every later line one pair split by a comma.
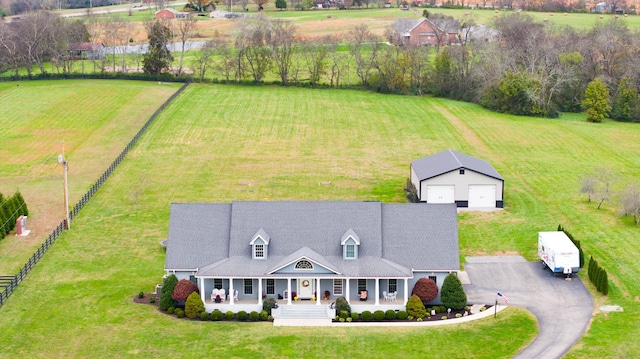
x,y
563,308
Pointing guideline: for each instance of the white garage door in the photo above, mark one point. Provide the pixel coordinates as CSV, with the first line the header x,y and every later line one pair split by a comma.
x,y
482,196
440,194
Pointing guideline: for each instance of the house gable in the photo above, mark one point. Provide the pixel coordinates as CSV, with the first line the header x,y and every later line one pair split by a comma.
x,y
304,261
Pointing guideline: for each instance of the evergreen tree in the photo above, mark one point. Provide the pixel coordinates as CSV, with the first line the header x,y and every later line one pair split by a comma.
x,y
194,306
159,58
415,308
167,291
605,283
281,4
452,293
596,101
24,211
627,104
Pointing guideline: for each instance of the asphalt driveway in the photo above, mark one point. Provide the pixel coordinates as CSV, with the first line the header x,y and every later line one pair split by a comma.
x,y
563,308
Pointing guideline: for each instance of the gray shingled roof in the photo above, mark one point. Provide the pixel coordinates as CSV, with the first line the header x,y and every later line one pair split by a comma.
x,y
404,27
195,230
394,238
449,160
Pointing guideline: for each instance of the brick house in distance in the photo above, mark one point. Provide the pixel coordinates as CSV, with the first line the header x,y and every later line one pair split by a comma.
x,y
436,32
170,14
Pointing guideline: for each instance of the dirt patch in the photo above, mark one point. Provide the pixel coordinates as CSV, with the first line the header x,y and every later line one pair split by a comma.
x,y
146,299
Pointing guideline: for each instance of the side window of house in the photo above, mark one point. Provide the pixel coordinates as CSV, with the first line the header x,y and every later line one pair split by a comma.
x,y
434,278
393,285
248,286
362,285
271,286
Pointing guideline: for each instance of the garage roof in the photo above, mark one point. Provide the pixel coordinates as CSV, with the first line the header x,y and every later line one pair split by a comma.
x,y
450,160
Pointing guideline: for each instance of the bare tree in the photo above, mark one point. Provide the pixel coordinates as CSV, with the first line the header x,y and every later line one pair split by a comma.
x,y
339,59
588,185
9,43
315,53
630,202
363,45
184,29
35,31
419,66
606,178
282,41
116,34
202,59
253,39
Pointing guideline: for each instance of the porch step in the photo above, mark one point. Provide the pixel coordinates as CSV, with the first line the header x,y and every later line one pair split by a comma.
x,y
303,312
302,315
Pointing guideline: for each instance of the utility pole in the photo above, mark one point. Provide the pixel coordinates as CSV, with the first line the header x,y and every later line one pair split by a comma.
x,y
65,165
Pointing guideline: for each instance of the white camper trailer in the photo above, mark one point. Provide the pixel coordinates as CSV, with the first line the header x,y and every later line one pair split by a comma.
x,y
558,252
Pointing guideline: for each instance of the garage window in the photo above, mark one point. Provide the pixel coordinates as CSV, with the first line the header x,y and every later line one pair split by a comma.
x,y
462,171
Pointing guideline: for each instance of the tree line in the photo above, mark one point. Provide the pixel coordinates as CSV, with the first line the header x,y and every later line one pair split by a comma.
x,y
521,67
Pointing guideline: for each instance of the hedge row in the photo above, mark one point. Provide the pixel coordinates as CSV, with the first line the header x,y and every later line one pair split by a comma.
x,y
10,209
598,276
218,315
368,316
575,241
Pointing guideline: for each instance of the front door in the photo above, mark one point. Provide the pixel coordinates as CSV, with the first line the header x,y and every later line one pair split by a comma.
x,y
305,288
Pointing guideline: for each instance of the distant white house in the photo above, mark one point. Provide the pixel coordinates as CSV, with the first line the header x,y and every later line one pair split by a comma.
x,y
453,177
219,14
87,50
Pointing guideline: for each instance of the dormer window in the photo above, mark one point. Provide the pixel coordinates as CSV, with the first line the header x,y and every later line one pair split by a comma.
x,y
258,251
350,251
259,245
350,242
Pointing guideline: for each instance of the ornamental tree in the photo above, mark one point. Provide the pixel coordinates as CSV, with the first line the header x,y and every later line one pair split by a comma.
x,y
452,293
426,289
183,289
596,101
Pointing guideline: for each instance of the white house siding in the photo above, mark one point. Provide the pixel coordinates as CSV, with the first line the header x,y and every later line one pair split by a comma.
x,y
416,182
462,183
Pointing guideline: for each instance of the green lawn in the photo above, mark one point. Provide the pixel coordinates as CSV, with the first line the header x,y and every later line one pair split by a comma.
x,y
285,142
95,119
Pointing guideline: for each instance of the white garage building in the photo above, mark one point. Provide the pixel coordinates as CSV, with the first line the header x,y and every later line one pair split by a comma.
x,y
453,177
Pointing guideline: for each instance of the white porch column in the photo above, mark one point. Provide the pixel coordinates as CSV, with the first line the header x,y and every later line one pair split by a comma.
x,y
318,294
259,291
406,290
377,302
347,291
288,291
202,294
230,291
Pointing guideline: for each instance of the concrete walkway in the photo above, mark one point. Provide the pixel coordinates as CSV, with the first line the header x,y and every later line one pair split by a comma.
x,y
563,308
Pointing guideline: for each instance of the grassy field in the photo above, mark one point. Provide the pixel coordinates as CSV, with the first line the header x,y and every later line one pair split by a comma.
x,y
36,117
285,142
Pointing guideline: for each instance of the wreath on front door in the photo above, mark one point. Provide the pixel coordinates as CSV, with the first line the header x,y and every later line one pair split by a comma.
x,y
305,283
